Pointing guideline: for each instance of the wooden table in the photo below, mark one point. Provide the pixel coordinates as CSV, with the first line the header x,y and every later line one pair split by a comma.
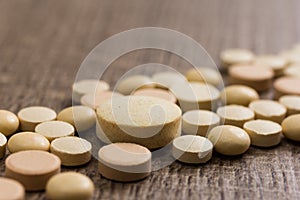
x,y
42,44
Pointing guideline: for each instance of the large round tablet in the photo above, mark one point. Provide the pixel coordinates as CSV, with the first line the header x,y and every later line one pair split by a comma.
x,y
32,168
167,79
292,103
3,142
276,63
9,122
204,74
93,100
286,85
239,95
291,127
127,85
156,92
236,56
148,121
11,189
124,162
293,70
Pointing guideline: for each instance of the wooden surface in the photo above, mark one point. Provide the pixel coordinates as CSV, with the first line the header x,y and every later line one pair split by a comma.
x,y
42,44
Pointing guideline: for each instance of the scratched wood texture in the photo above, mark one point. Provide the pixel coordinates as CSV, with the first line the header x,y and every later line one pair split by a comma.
x,y
43,42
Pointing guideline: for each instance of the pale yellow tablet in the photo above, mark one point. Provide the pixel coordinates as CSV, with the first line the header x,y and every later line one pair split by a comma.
x,y
129,84
9,122
167,79
236,56
239,95
204,74
291,127
293,70
292,103
156,92
93,100
275,62
3,142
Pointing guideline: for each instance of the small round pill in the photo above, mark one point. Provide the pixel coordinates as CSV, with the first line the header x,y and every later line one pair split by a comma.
x,y
93,100
263,133
32,116
192,149
124,162
167,79
292,103
9,122
155,92
292,56
239,95
236,56
127,85
204,74
70,186
27,141
11,189
229,140
291,127
293,70
276,63
3,142
286,85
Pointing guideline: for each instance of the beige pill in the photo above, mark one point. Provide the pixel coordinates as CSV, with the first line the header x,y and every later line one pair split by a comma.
x,y
257,77
9,122
192,149
293,70
155,92
286,86
81,117
167,79
204,74
276,63
229,140
239,95
127,85
292,56
291,127
30,117
292,103
199,122
27,141
93,100
236,56
263,133
196,95
235,115
3,142
124,162
32,168
11,189
70,186
87,86
148,121
268,110
73,151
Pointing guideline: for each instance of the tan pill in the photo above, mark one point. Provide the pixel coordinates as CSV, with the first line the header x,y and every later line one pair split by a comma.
x,y
155,92
11,189
292,103
199,122
167,79
27,141
9,122
81,117
192,149
235,115
70,186
286,86
236,56
263,133
93,100
73,151
30,117
268,110
3,142
204,74
124,162
127,85
293,70
239,95
229,140
32,168
291,127
276,63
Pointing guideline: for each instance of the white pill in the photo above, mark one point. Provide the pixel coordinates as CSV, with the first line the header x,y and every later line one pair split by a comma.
x,y
292,103
128,85
3,142
167,79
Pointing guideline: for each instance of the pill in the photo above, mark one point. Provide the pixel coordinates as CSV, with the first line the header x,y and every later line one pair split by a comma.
x,y
276,63
32,168
148,121
268,110
257,77
9,122
236,56
83,87
292,56
235,115
199,122
93,100
30,117
292,103
291,127
11,189
129,84
239,95
124,162
27,141
73,151
3,142
286,85
229,140
263,133
156,92
167,79
192,149
196,95
204,74
70,186
81,117
293,70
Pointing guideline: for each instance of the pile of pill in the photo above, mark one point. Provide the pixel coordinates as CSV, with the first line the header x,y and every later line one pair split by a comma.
x,y
145,113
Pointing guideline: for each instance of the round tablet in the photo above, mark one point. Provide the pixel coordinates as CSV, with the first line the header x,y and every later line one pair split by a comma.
x,y
70,186
292,103
32,116
236,56
127,85
196,95
27,141
73,151
292,56
93,100
257,77
263,133
83,87
268,110
204,74
124,162
11,189
3,142
9,122
293,70
81,117
32,168
192,149
291,127
55,129
286,86
276,63
148,121
235,115
155,92
229,140
239,95
167,79
199,122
